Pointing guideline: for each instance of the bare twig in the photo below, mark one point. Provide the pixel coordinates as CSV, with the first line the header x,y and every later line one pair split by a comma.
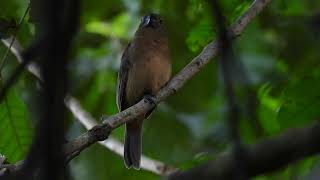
x,y
19,69
27,57
17,51
4,58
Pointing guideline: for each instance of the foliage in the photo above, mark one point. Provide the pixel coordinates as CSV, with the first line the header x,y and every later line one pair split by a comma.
x,y
279,51
15,128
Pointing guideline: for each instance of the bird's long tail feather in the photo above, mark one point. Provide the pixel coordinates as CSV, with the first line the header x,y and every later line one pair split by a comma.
x,y
132,146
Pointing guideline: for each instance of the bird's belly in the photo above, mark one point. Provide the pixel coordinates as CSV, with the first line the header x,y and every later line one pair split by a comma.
x,y
146,77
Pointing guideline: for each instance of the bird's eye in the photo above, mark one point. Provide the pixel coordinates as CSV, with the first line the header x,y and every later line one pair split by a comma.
x,y
146,20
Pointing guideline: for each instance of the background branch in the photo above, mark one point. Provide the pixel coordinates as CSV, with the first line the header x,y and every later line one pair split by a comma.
x,y
226,62
264,157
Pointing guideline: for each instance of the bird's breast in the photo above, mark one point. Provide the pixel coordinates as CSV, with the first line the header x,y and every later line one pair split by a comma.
x,y
149,72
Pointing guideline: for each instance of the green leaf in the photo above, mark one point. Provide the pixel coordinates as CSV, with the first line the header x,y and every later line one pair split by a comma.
x,y
116,28
200,35
197,160
12,9
15,128
101,96
300,103
268,109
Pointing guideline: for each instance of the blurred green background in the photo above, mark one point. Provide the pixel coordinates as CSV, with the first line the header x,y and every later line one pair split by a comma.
x,y
279,50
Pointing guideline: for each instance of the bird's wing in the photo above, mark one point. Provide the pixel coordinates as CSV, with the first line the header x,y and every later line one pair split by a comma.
x,y
122,79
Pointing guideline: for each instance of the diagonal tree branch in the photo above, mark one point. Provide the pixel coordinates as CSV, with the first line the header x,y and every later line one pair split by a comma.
x,y
87,120
102,131
17,50
4,58
266,156
114,145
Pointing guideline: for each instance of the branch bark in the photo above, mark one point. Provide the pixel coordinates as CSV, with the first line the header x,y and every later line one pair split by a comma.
x,y
268,155
101,132
86,120
114,145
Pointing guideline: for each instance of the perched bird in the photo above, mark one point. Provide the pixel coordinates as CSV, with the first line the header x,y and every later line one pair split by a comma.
x,y
145,68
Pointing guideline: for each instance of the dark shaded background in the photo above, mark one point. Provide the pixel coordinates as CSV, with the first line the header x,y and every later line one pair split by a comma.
x,y
280,51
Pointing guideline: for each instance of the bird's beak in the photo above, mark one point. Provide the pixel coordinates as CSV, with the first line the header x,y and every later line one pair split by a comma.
x,y
146,21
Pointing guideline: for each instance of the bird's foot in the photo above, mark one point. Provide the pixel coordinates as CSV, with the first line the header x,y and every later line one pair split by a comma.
x,y
150,99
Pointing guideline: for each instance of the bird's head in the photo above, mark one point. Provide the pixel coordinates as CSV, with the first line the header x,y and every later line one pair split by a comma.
x,y
151,21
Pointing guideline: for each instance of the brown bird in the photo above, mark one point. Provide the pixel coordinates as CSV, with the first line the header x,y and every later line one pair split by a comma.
x,y
145,68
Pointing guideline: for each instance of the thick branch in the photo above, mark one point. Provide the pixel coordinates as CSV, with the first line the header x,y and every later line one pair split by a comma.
x,y
268,155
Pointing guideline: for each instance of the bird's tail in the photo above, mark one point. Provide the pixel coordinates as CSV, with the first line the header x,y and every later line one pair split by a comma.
x,y
132,145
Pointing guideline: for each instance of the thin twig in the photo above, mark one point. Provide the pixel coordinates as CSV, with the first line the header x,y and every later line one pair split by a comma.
x,y
4,58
